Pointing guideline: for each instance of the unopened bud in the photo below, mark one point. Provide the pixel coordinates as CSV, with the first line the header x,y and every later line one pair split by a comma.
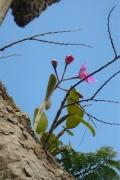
x,y
54,63
79,94
69,59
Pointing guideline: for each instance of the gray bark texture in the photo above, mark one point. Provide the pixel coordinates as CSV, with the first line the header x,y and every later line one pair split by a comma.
x,y
21,154
24,11
4,6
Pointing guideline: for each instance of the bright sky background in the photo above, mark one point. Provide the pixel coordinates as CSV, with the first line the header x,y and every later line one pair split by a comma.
x,y
26,76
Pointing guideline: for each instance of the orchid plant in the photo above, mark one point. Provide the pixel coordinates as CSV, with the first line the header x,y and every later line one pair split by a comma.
x,y
75,113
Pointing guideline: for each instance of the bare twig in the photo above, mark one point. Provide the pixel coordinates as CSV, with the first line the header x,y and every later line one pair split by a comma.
x,y
47,33
105,84
86,105
57,32
90,99
62,89
83,135
90,116
110,33
103,100
61,43
98,100
10,56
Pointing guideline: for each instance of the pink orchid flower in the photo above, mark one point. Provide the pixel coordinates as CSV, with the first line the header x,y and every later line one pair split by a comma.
x,y
82,74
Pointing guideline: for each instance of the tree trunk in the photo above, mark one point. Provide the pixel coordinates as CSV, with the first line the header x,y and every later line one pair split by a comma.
x,y
4,6
21,154
24,11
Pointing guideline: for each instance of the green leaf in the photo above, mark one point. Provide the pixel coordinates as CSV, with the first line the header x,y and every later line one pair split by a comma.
x,y
86,124
35,114
61,120
51,85
73,96
74,109
48,105
69,132
52,137
42,124
80,113
72,122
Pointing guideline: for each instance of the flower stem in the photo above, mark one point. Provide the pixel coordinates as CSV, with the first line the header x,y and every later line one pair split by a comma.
x,y
70,78
56,74
62,88
64,72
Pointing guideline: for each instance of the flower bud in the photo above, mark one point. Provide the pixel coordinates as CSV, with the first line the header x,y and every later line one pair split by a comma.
x,y
69,59
54,63
79,94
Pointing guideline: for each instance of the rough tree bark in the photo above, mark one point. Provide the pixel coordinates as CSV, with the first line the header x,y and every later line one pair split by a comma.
x,y
21,155
24,11
4,6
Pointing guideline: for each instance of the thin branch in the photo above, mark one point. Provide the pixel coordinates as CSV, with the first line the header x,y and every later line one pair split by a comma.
x,y
103,100
87,105
47,33
10,56
90,99
105,84
61,43
110,33
90,116
62,89
97,100
61,31
83,136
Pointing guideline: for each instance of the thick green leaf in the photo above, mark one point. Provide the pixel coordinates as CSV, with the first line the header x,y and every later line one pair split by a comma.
x,y
42,124
80,113
48,105
55,144
75,120
61,120
86,124
72,122
74,109
73,96
51,85
35,114
69,132
52,137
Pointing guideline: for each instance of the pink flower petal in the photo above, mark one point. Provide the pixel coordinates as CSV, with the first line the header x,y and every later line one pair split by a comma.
x,y
92,79
82,71
82,74
84,64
